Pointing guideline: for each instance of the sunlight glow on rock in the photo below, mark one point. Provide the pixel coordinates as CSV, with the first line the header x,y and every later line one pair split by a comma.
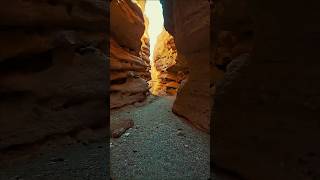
x,y
153,11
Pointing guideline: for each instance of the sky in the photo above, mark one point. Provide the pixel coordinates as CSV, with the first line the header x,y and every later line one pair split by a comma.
x,y
153,11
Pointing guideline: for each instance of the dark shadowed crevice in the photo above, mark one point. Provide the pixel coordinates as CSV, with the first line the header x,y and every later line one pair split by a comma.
x,y
27,63
119,81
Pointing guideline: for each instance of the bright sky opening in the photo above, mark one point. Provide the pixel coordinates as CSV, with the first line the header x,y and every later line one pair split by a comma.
x,y
153,11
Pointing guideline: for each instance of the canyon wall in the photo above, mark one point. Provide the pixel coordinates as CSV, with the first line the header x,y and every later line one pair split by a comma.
x,y
266,110
264,75
170,72
129,54
53,68
189,23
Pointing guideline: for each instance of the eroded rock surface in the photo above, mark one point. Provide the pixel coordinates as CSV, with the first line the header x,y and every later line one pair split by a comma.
x,y
266,108
169,70
119,126
189,23
129,51
53,70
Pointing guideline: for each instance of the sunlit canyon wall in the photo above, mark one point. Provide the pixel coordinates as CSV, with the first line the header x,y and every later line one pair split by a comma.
x,y
170,72
129,53
189,23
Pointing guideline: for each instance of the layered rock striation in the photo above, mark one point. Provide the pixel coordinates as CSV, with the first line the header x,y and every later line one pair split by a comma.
x,y
53,69
170,72
189,23
129,54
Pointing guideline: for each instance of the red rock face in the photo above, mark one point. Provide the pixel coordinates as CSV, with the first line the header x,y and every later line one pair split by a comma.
x,y
169,70
129,51
126,24
118,127
189,23
52,68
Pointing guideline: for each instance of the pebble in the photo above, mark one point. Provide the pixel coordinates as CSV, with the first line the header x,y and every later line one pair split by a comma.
x,y
180,133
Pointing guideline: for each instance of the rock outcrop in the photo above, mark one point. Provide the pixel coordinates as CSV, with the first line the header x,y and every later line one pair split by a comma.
x,y
129,51
120,126
264,83
53,69
169,70
189,23
266,108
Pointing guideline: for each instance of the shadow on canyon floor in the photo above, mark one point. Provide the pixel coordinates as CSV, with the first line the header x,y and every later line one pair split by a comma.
x,y
61,158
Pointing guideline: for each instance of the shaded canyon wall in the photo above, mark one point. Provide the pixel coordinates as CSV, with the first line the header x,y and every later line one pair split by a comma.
x,y
264,75
53,68
266,108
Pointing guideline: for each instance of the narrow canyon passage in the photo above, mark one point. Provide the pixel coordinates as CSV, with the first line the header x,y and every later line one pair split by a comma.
x,y
159,146
150,141
246,73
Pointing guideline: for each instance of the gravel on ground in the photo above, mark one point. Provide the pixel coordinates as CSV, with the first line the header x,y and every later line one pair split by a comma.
x,y
159,146
75,162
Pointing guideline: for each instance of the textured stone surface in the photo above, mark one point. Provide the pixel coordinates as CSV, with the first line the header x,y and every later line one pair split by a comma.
x,y
266,108
52,68
119,126
263,74
60,14
189,23
169,70
126,24
129,54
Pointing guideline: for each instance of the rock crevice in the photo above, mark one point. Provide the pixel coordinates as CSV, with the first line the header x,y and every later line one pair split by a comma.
x,y
169,70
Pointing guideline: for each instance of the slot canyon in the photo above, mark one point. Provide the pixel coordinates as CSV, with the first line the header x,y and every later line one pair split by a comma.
x,y
238,77
158,106
135,75
251,70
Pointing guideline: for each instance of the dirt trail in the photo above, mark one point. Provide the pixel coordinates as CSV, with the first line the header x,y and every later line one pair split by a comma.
x,y
159,146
